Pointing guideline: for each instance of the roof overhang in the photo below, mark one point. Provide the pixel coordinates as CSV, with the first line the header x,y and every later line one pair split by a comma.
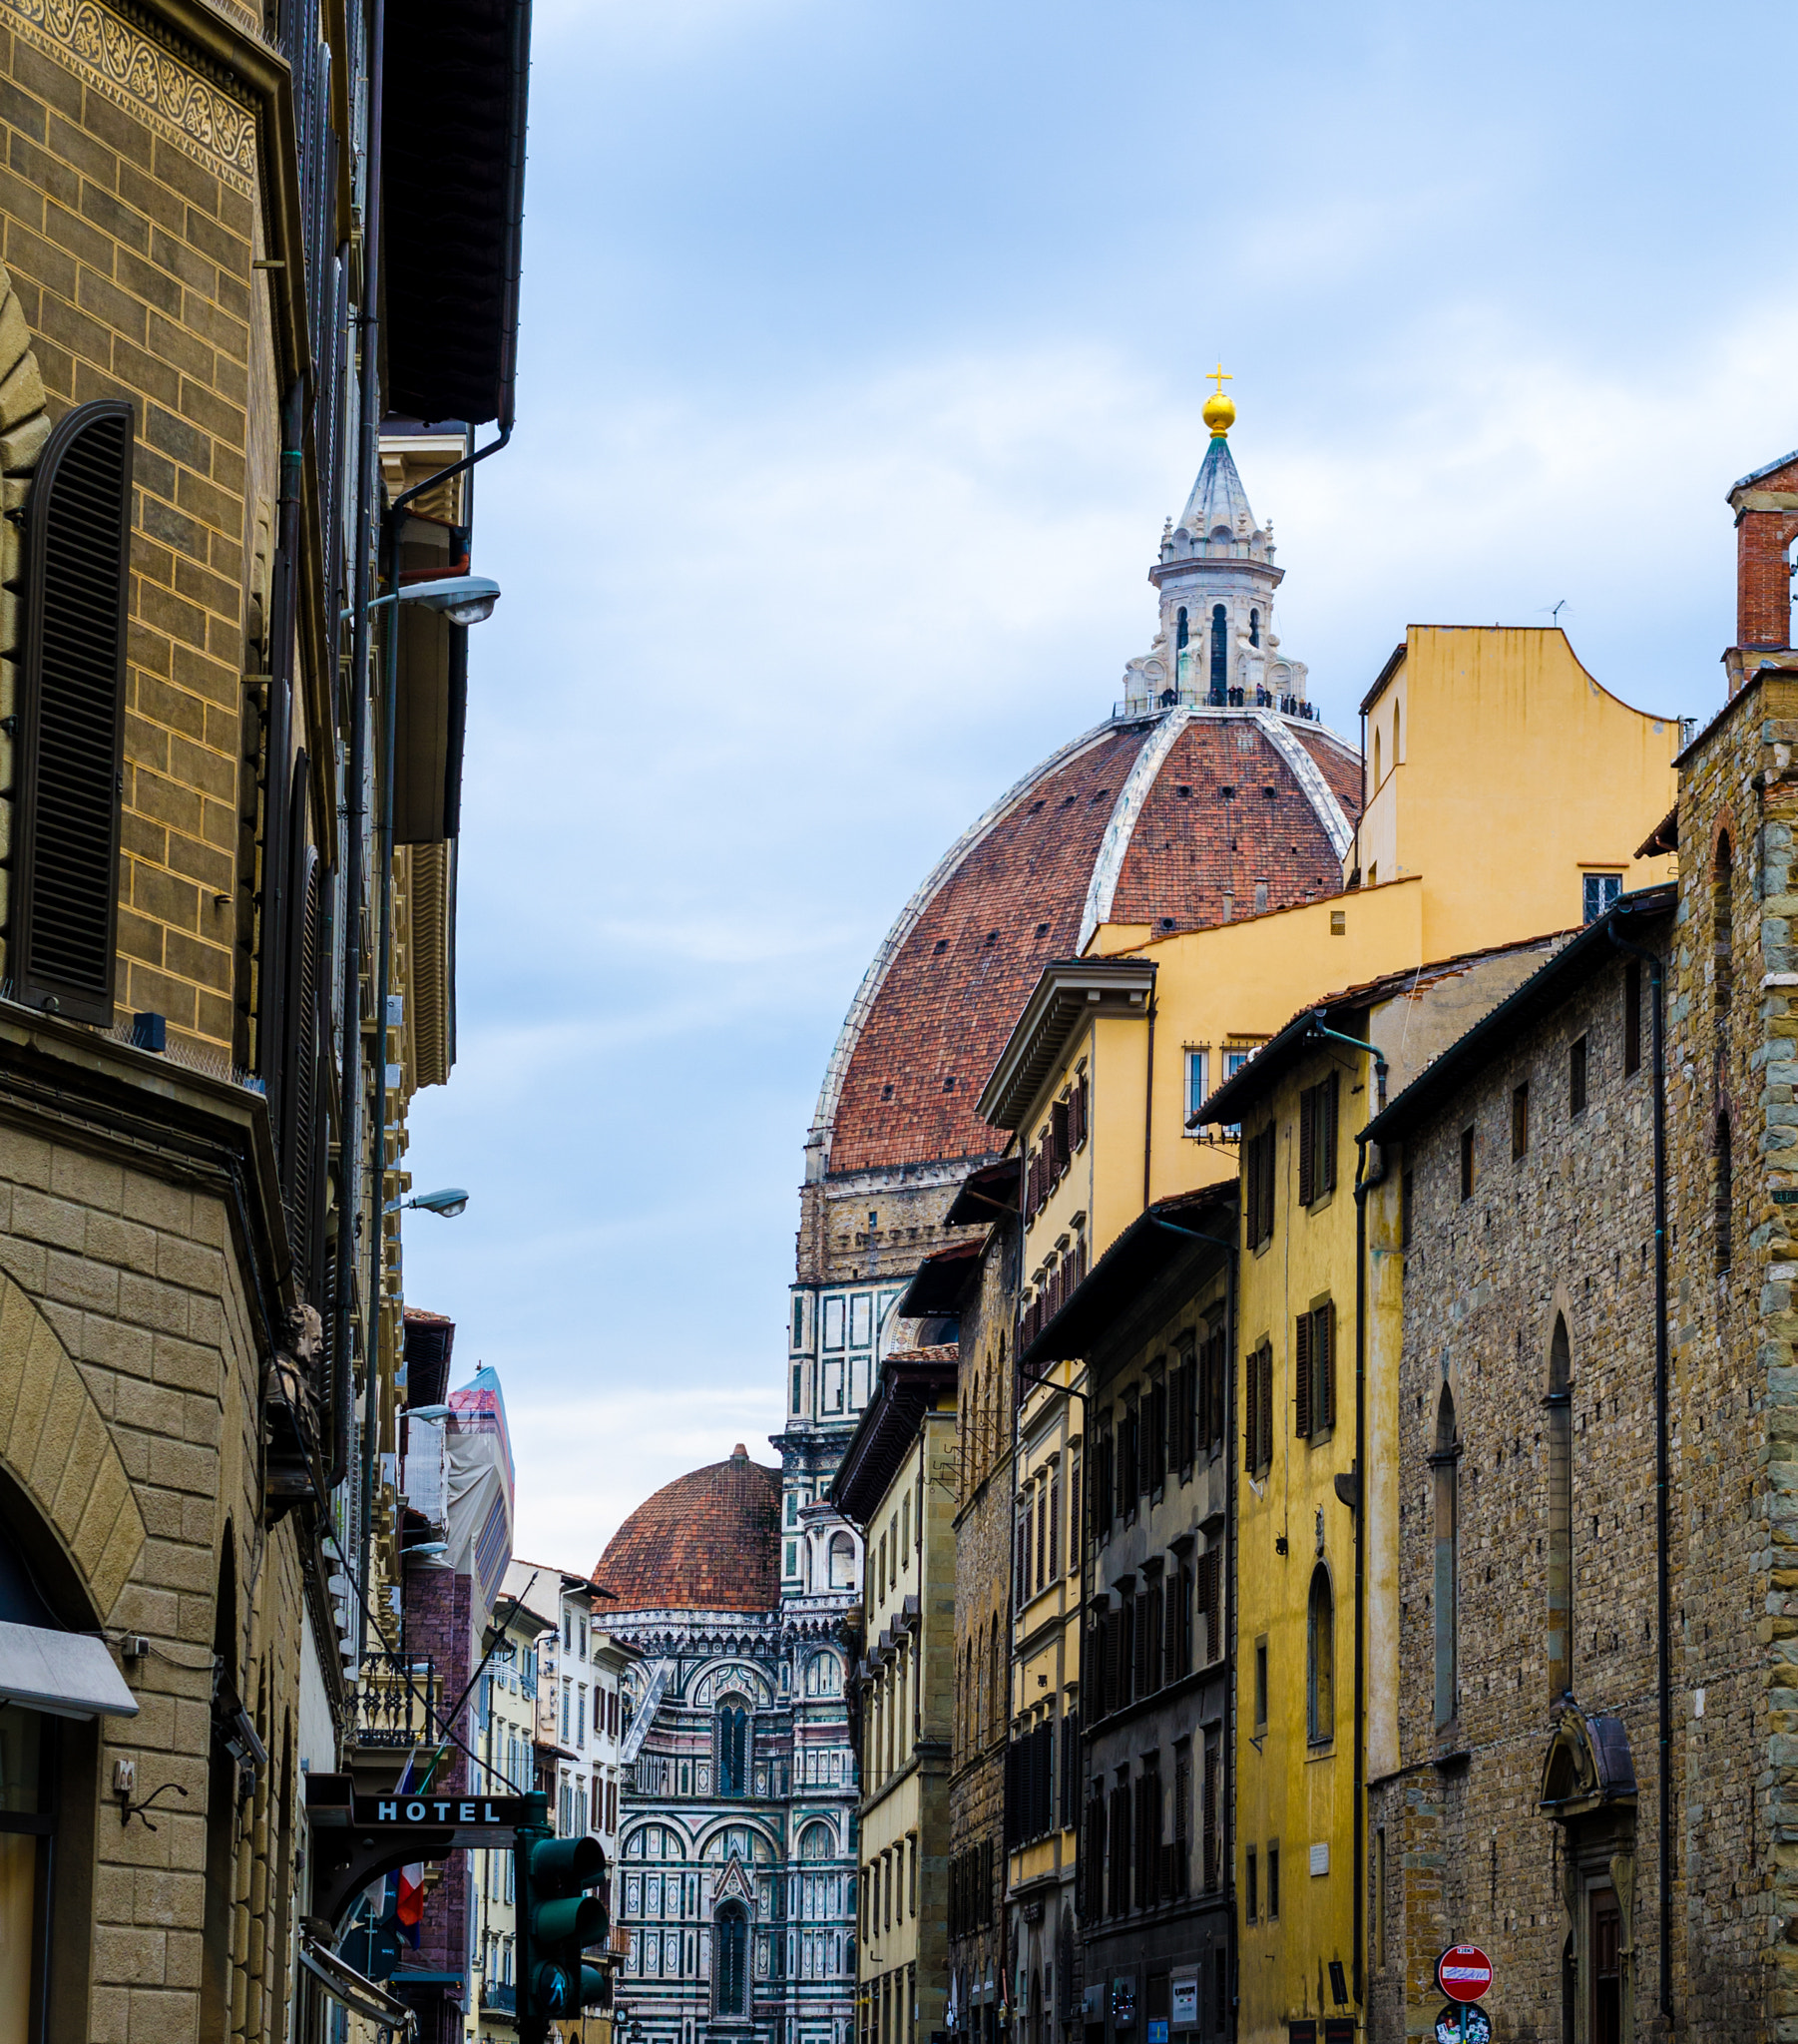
x,y
1384,676
1067,996
1189,1228
1544,991
904,1392
986,1193
1234,1098
453,186
1663,838
939,1281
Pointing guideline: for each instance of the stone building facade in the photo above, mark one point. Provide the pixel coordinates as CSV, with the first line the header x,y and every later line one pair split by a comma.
x,y
1518,1810
188,476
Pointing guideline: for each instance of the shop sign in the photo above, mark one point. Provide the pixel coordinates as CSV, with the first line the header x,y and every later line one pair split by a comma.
x,y
1124,2002
1184,1990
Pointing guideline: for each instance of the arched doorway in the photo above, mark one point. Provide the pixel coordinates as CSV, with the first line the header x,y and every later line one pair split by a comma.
x,y
731,1961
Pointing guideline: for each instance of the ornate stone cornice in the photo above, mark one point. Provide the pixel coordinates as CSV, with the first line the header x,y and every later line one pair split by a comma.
x,y
135,71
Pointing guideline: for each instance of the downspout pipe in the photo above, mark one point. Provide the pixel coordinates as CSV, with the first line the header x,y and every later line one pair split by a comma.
x,y
349,1152
1351,1495
1663,1658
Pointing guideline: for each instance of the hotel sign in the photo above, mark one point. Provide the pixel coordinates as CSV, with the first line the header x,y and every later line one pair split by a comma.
x,y
380,1813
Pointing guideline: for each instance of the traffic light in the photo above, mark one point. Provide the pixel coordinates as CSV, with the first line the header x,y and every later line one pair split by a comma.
x,y
557,1921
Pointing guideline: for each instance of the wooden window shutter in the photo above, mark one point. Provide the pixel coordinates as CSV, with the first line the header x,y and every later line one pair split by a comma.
x,y
62,916
1251,1416
1326,1159
1269,1135
1267,1403
1323,1342
1302,1377
1307,1146
301,1179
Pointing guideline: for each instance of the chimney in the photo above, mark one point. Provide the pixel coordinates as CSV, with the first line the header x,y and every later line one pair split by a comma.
x,y
1767,522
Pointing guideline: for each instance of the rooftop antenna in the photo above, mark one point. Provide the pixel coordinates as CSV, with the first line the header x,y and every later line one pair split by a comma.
x,y
1553,612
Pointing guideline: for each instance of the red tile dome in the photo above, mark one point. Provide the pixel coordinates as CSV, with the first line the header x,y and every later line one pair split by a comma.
x,y
1176,821
708,1541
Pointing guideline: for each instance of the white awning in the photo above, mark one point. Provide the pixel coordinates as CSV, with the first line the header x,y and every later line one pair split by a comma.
x,y
68,1674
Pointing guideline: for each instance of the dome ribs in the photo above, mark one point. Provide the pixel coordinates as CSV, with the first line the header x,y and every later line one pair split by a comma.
x,y
944,1014
1225,817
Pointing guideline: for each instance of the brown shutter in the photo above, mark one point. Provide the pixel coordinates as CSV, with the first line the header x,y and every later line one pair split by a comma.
x,y
1324,1341
1301,1371
61,919
1267,1404
1251,1417
1270,1139
1308,1116
1326,1163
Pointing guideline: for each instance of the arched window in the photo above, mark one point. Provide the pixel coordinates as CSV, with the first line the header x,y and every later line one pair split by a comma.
x,y
63,913
817,1841
1320,1658
1254,628
1724,1165
733,1746
1446,1463
1376,756
1394,733
1722,925
994,1690
1179,628
1220,658
1559,1408
729,1970
842,1562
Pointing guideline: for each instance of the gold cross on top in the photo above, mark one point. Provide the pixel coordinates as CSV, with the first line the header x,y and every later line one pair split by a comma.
x,y
1218,378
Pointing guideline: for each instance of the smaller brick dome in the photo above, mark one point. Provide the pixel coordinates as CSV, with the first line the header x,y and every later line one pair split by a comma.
x,y
708,1541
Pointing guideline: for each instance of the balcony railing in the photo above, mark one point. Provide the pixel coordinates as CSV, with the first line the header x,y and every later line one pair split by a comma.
x,y
499,1997
399,1702
1135,706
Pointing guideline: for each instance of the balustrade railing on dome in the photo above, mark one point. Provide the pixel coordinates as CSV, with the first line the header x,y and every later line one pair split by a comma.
x,y
399,1702
1214,699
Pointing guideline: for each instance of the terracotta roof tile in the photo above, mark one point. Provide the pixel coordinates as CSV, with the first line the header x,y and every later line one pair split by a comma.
x,y
708,1541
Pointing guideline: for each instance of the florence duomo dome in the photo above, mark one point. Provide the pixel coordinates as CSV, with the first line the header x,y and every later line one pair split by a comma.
x,y
740,1750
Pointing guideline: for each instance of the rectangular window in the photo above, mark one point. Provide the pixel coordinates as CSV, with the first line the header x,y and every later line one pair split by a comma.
x,y
1520,1119
1314,1371
1317,1111
1407,1210
1261,1682
1251,1889
861,1320
1274,1884
1467,1165
1199,1064
1633,1017
833,1323
1576,1077
1600,892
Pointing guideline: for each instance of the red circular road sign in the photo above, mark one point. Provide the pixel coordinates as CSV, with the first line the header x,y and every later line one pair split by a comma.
x,y
1464,1972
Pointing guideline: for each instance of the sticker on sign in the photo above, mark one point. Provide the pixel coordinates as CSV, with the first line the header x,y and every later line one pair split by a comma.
x,y
1464,1972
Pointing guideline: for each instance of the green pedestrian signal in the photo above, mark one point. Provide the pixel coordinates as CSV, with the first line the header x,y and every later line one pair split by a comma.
x,y
558,1918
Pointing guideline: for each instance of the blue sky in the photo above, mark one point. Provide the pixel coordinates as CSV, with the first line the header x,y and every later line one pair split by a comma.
x,y
861,362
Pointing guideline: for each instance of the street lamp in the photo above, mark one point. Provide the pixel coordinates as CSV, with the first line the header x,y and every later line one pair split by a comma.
x,y
449,1202
463,599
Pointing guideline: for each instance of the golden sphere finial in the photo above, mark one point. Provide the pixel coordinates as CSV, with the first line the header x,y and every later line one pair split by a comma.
x,y
1219,414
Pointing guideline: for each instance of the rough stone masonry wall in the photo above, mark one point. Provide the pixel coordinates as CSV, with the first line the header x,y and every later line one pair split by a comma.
x,y
1735,1545
1566,1229
144,1364
983,1561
